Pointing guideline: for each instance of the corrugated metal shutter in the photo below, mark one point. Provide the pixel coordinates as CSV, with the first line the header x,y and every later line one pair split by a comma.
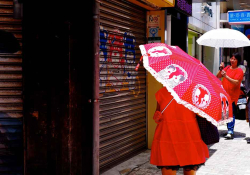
x,y
11,103
122,89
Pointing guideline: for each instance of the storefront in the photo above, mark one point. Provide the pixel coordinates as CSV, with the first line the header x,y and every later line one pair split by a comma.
x,y
204,18
11,90
240,21
124,92
60,105
194,49
242,25
122,89
173,31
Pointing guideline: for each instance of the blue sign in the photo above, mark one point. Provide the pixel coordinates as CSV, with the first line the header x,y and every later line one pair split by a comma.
x,y
239,17
239,27
153,32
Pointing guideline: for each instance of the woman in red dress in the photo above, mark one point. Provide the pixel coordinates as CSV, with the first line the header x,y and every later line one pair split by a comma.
x,y
177,139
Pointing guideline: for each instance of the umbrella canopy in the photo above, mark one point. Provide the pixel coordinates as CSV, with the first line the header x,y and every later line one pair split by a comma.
x,y
189,81
224,37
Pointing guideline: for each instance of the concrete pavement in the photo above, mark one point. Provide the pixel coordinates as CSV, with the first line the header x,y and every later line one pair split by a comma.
x,y
228,157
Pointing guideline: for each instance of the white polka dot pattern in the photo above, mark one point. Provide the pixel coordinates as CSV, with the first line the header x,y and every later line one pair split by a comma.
x,y
180,74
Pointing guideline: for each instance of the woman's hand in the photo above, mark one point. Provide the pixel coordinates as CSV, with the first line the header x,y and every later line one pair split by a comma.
x,y
223,73
219,75
222,66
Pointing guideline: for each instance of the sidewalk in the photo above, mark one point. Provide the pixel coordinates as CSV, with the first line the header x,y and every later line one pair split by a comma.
x,y
228,157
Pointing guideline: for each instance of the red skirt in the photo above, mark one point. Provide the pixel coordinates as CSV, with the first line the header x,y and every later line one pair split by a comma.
x,y
177,139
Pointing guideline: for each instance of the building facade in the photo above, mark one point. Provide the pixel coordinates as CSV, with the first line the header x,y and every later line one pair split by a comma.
x,y
205,17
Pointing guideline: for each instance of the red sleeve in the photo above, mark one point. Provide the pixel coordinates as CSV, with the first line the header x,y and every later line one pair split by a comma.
x,y
226,68
239,75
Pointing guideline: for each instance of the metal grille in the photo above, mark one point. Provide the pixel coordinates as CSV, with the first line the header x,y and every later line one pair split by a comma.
x,y
122,89
11,103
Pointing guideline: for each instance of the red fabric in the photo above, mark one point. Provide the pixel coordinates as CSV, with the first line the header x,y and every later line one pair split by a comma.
x,y
189,81
233,90
157,116
177,139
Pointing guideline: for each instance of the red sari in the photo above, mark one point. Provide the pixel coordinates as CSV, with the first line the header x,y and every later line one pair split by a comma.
x,y
177,139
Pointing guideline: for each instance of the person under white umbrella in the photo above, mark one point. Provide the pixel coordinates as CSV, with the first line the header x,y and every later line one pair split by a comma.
x,y
228,38
232,77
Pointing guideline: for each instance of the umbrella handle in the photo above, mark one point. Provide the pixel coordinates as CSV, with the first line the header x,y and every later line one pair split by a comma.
x,y
138,65
167,105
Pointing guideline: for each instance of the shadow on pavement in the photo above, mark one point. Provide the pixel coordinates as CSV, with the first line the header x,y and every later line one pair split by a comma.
x,y
236,134
211,151
222,134
247,138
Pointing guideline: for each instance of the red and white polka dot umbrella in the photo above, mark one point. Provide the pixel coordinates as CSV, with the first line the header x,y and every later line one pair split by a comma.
x,y
189,81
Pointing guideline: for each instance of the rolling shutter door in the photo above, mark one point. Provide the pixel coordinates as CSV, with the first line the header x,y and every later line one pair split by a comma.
x,y
11,103
122,89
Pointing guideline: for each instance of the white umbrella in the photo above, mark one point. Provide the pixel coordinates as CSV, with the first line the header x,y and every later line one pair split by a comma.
x,y
224,37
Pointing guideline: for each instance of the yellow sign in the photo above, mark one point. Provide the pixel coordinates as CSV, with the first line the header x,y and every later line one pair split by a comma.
x,y
154,4
153,21
163,3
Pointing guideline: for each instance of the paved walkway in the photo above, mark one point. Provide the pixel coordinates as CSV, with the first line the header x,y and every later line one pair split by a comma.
x,y
228,157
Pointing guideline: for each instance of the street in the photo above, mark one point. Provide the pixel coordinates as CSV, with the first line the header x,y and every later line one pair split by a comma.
x,y
228,157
